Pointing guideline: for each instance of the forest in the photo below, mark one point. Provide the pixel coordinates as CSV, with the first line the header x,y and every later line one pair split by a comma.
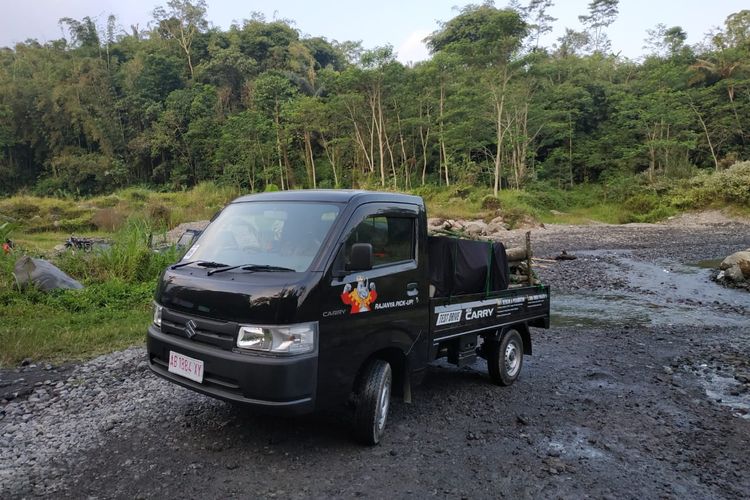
x,y
261,107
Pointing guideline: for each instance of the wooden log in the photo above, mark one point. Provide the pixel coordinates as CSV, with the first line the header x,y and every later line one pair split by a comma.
x,y
516,254
528,257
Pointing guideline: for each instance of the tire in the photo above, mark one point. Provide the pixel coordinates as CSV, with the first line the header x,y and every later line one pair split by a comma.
x,y
372,402
505,358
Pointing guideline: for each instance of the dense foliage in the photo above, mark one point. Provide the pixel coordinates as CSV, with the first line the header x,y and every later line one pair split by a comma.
x,y
261,107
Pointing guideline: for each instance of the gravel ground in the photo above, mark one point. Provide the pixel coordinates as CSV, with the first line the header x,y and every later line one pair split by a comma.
x,y
640,389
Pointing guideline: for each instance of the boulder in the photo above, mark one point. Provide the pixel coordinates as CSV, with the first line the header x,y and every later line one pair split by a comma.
x,y
42,274
436,224
454,225
734,274
527,222
476,228
495,227
741,260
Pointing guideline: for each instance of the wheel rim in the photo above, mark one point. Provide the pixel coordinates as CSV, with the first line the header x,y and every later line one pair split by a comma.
x,y
512,358
383,404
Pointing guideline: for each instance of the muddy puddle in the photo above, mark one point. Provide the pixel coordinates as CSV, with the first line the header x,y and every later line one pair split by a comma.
x,y
654,293
650,294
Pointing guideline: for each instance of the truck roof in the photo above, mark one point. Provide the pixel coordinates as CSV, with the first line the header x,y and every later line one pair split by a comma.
x,y
332,195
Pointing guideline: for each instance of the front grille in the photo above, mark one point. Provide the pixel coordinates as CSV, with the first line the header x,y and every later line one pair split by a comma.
x,y
221,334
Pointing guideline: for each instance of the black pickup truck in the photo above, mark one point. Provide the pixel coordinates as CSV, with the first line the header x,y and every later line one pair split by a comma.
x,y
297,301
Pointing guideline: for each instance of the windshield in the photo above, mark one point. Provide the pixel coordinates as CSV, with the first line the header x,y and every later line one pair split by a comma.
x,y
281,234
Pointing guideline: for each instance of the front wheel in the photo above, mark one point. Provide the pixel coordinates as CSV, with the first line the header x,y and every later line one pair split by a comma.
x,y
505,358
372,401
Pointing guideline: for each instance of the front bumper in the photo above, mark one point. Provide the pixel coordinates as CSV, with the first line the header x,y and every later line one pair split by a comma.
x,y
271,384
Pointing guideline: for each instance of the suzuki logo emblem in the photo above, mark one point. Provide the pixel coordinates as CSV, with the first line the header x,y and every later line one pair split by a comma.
x,y
190,329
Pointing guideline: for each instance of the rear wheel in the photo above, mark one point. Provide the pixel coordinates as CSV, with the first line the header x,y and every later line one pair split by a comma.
x,y
505,358
372,401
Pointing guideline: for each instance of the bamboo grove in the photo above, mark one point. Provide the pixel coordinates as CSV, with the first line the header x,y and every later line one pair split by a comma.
x,y
262,107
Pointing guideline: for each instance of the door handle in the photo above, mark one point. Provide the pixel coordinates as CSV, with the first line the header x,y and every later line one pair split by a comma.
x,y
412,289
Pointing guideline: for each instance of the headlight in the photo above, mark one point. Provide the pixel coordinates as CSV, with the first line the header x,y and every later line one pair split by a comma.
x,y
282,339
157,314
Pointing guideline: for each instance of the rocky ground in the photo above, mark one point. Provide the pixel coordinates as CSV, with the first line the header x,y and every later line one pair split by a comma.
x,y
640,389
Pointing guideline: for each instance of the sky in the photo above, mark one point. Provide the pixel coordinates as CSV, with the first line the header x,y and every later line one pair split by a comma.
x,y
403,24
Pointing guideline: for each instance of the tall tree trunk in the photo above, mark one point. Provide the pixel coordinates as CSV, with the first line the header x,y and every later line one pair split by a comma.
x,y
570,148
730,94
403,148
278,146
185,42
369,160
443,155
499,101
424,136
708,136
310,160
331,155
651,144
377,110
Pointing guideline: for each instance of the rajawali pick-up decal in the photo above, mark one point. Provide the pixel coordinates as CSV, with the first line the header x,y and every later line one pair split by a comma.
x,y
361,298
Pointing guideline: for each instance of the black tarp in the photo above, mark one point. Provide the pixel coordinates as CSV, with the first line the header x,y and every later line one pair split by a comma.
x,y
459,267
500,270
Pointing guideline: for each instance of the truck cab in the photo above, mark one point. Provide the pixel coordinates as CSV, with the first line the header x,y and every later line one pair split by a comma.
x,y
298,301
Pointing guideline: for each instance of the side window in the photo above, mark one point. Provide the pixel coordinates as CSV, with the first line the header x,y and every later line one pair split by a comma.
x,y
392,238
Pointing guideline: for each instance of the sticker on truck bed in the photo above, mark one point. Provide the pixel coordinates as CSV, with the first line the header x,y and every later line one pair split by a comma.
x,y
446,318
484,313
499,308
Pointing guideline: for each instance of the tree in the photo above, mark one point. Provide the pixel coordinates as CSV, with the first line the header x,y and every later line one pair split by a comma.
x,y
272,91
186,134
665,42
83,33
245,150
540,22
602,13
486,38
182,21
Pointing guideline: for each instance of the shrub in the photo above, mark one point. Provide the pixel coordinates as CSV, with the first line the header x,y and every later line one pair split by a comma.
x,y
106,201
490,202
159,214
83,223
136,194
732,185
513,216
129,258
108,219
641,203
23,208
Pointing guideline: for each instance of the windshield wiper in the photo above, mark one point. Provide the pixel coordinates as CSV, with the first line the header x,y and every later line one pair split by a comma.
x,y
202,263
251,267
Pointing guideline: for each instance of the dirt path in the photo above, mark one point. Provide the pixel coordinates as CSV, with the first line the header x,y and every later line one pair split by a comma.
x,y
640,389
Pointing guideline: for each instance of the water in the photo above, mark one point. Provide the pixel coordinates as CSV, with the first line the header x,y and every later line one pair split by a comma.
x,y
656,293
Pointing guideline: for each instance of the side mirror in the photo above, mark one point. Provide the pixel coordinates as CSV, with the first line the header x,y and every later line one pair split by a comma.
x,y
361,257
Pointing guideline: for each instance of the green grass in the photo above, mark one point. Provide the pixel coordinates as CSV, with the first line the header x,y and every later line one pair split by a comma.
x,y
68,325
111,312
162,210
609,213
46,333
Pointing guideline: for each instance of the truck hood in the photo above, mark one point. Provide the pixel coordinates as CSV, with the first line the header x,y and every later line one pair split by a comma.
x,y
243,297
